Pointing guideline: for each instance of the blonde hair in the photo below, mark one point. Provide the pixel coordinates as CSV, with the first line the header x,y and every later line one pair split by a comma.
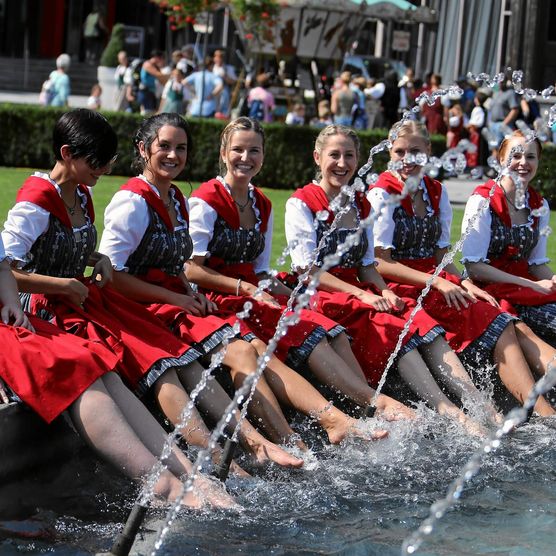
x,y
504,146
239,124
403,128
330,131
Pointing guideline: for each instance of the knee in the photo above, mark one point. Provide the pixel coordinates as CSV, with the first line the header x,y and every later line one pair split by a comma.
x,y
241,350
259,346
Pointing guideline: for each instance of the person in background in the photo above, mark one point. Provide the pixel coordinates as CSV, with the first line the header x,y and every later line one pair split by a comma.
x,y
503,112
434,115
359,116
172,95
456,129
297,115
227,73
343,99
391,98
407,90
373,105
121,97
94,31
187,63
324,114
151,74
475,126
260,100
59,89
207,86
94,100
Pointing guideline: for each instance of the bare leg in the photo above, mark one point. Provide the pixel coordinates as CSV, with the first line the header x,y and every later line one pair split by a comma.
x,y
264,408
387,407
330,369
538,354
154,437
416,374
292,389
214,400
172,399
100,421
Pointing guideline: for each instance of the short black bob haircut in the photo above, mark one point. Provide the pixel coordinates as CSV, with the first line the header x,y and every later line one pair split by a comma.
x,y
88,135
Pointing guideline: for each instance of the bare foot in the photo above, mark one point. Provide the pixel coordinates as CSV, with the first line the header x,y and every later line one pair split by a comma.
x,y
207,492
265,451
390,409
471,426
339,426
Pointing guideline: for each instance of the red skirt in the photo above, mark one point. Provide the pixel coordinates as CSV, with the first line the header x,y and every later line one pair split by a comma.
x,y
374,334
462,327
301,338
204,332
145,349
49,370
509,295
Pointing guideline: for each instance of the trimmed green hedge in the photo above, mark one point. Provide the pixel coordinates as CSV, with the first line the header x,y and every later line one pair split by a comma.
x,y
25,139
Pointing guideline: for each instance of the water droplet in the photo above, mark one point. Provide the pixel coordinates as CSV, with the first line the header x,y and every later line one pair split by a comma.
x,y
547,92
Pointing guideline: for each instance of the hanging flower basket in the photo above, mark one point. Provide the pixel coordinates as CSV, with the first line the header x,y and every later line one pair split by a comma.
x,y
256,15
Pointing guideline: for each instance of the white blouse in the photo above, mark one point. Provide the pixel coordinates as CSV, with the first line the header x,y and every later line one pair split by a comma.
x,y
478,219
26,222
202,218
126,219
384,225
302,236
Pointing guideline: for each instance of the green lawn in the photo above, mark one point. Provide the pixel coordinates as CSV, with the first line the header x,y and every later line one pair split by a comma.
x,y
12,178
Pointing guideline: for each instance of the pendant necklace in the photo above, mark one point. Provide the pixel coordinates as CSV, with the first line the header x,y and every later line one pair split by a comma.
x,y
242,207
71,210
509,201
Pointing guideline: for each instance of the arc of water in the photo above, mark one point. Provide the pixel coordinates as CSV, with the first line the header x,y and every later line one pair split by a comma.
x,y
517,416
328,262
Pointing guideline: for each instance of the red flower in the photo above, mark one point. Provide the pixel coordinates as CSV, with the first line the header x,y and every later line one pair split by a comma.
x,y
242,17
173,27
248,36
265,15
171,19
177,8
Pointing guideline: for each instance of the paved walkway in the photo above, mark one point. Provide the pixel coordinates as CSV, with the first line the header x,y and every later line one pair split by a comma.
x,y
75,101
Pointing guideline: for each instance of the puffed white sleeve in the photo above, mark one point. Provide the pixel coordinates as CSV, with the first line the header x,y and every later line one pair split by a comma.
x,y
476,224
262,262
446,214
538,254
24,224
125,222
383,226
300,233
2,250
369,256
201,225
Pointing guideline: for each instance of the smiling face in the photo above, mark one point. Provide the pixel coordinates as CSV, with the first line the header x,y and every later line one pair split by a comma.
x,y
167,155
337,160
411,145
521,157
243,156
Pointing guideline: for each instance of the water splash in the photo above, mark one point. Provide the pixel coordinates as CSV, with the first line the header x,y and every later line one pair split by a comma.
x,y
515,418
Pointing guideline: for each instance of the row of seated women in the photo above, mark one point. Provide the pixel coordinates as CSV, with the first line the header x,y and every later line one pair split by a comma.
x,y
136,325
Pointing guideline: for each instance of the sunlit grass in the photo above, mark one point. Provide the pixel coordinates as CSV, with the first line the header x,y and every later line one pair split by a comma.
x,y
12,178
